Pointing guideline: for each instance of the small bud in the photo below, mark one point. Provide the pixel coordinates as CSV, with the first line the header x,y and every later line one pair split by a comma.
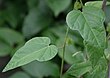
x,y
77,5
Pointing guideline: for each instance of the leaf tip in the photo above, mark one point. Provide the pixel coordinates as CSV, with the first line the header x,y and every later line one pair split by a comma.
x,y
4,70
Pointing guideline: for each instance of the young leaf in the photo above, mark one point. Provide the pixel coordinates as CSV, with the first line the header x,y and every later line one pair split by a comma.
x,y
58,5
89,23
38,48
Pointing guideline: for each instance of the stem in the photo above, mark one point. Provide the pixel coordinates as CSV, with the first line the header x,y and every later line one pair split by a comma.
x,y
81,3
104,4
64,45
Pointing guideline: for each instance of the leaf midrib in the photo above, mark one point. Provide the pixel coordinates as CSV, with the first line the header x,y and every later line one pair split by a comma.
x,y
32,53
91,30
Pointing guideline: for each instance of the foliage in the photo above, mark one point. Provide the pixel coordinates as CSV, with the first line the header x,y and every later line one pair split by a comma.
x,y
37,34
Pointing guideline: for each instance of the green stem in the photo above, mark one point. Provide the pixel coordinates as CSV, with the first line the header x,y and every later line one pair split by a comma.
x,y
64,45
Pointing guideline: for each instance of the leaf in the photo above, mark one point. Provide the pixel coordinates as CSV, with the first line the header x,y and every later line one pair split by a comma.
x,y
36,20
38,48
97,4
100,71
58,6
9,42
20,75
11,37
89,23
42,69
5,49
79,69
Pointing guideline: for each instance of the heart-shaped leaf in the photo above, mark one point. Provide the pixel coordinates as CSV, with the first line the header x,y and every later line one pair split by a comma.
x,y
38,48
89,23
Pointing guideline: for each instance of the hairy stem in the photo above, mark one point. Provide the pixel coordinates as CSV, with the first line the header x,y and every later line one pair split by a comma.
x,y
64,45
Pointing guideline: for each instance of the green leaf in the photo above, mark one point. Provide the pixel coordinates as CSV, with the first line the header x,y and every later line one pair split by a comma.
x,y
5,49
8,42
97,4
89,23
42,69
36,20
79,69
10,36
20,75
100,71
38,48
58,6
